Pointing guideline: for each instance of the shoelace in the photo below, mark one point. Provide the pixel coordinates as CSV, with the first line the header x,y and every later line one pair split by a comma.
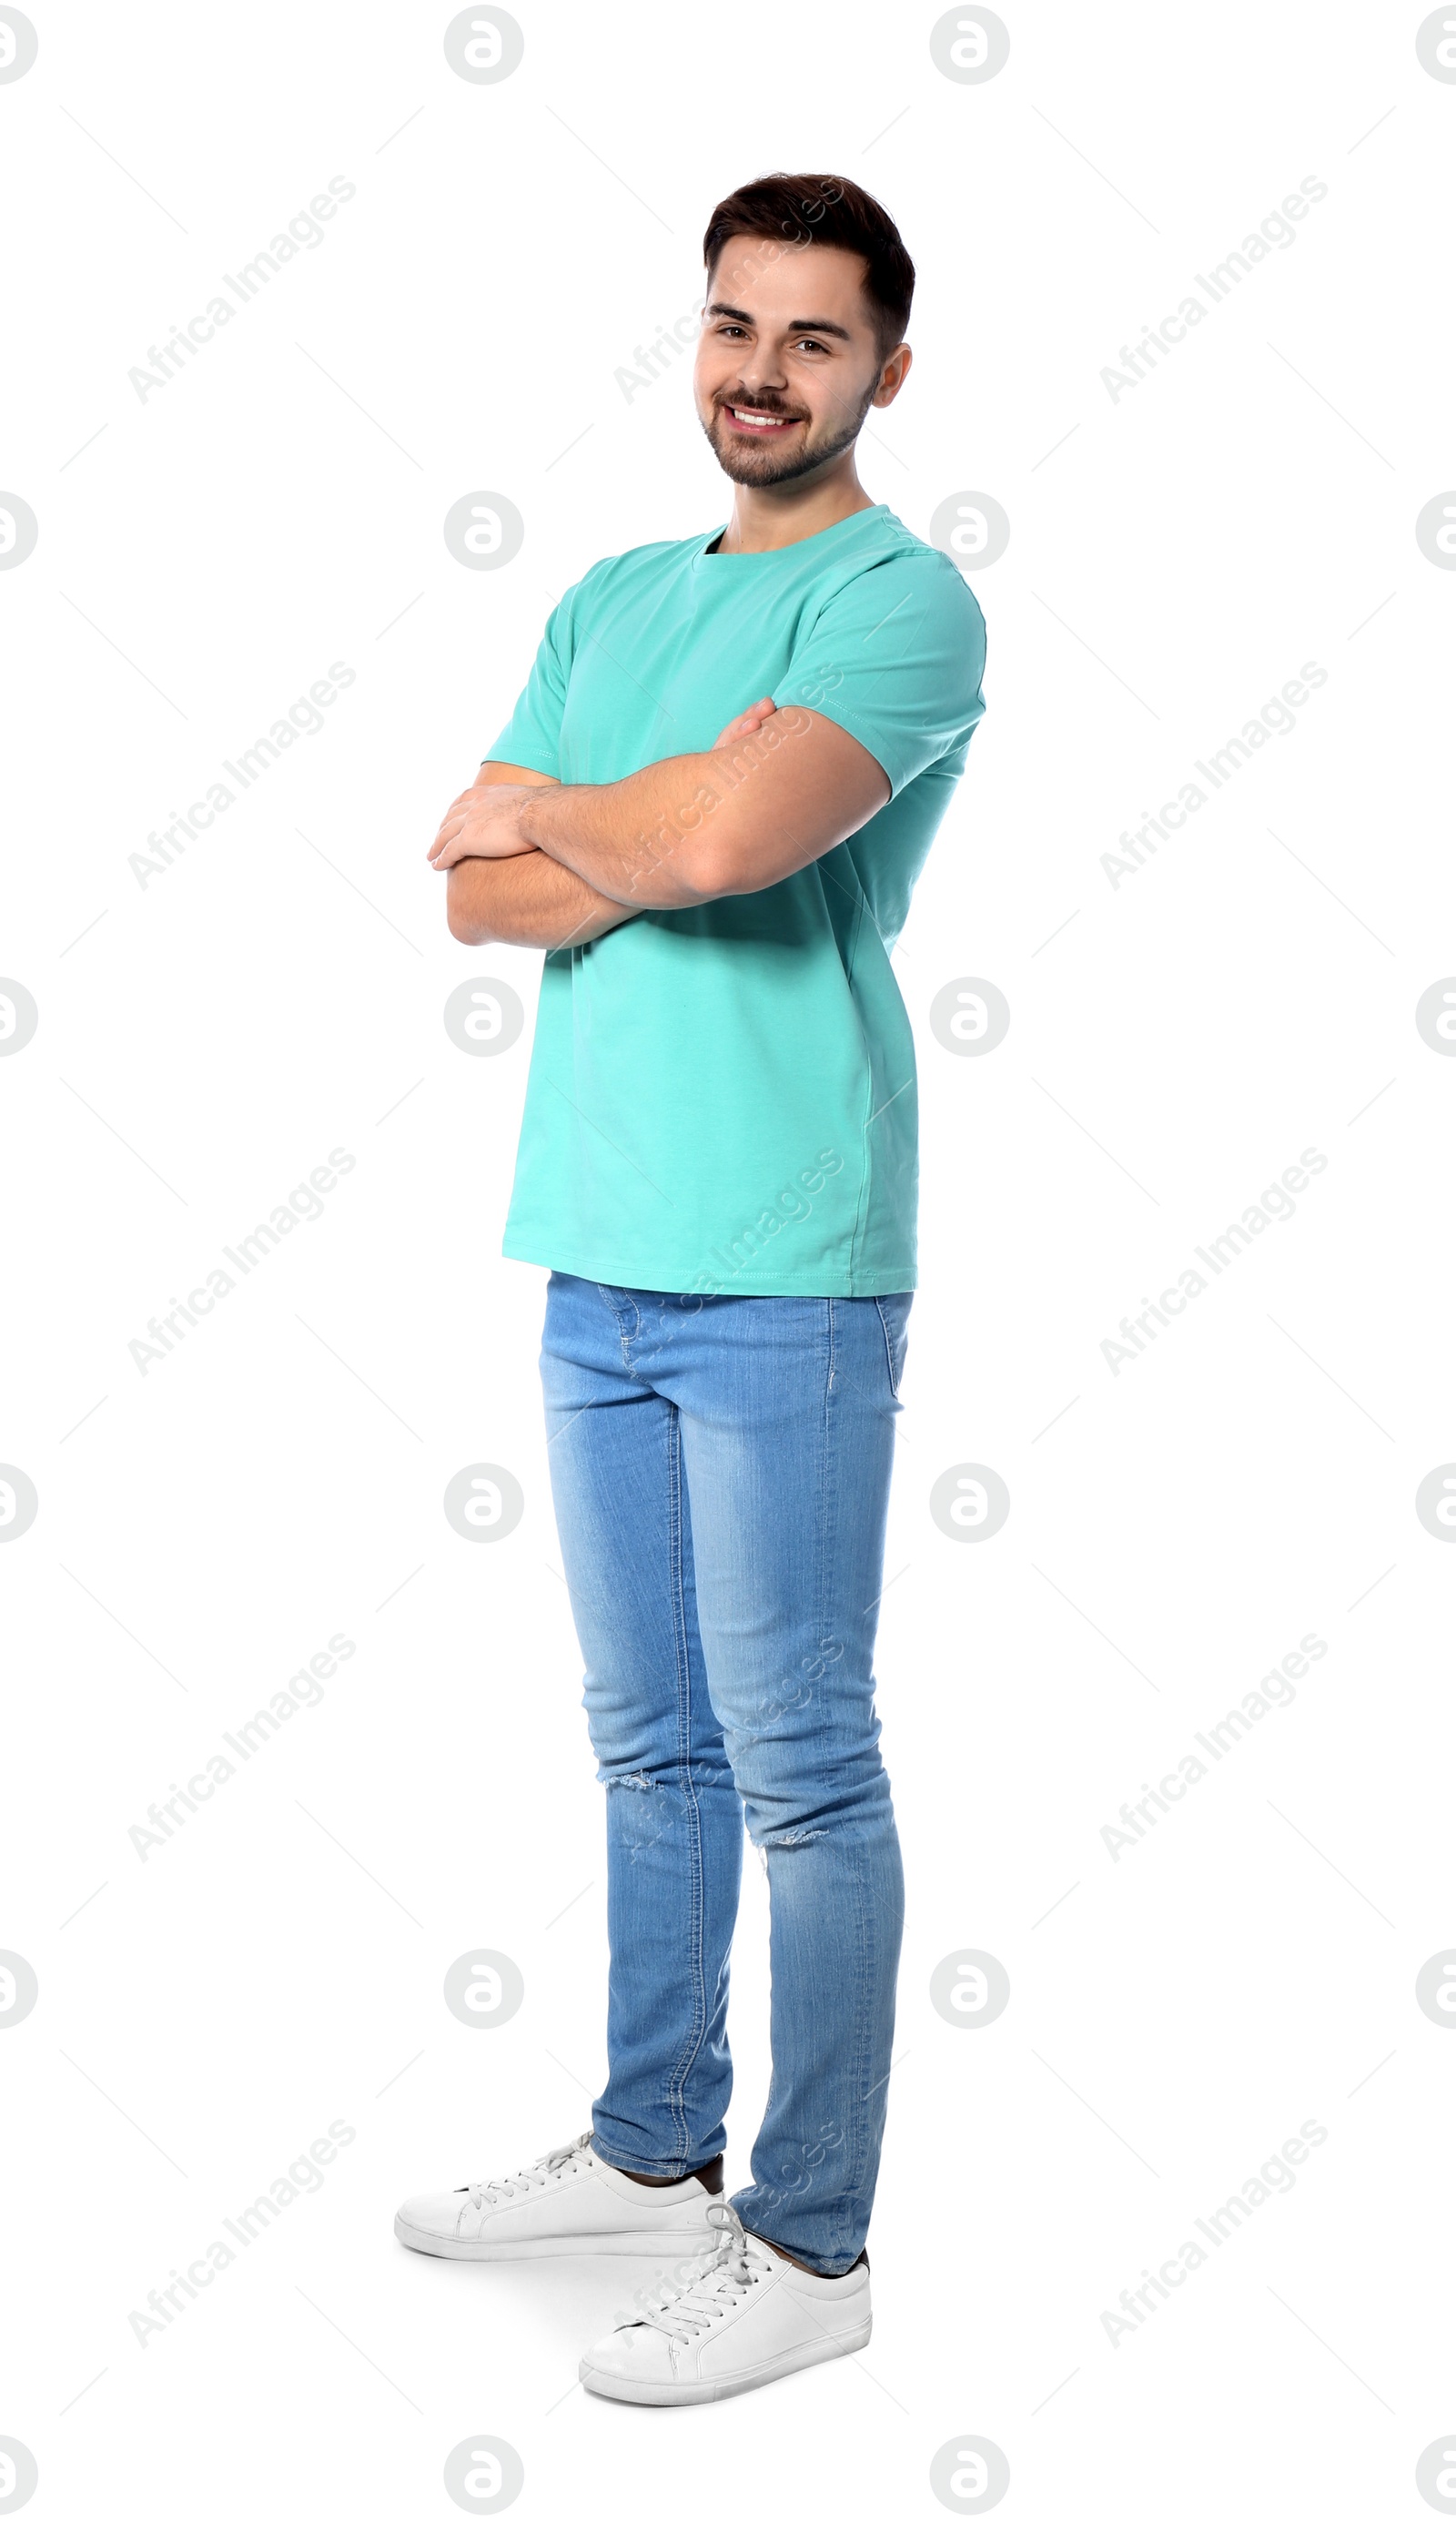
x,y
533,2177
711,2289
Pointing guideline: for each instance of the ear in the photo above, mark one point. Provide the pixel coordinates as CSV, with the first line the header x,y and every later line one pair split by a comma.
x,y
892,375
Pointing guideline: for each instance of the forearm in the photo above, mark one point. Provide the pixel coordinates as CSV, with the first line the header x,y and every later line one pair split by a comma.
x,y
667,838
777,789
527,900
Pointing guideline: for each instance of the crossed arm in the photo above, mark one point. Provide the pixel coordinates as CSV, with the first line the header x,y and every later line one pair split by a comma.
x,y
526,900
532,862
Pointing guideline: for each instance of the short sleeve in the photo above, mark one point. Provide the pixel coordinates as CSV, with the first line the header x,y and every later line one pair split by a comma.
x,y
895,657
532,735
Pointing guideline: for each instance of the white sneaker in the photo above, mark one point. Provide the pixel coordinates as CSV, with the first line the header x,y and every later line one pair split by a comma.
x,y
567,2201
743,2318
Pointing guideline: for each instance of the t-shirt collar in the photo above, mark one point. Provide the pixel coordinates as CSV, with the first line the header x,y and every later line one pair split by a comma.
x,y
805,542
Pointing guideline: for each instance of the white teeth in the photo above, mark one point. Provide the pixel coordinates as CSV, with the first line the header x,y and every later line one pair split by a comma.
x,y
759,419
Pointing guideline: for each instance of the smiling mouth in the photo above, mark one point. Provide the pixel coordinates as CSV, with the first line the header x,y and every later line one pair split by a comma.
x,y
762,424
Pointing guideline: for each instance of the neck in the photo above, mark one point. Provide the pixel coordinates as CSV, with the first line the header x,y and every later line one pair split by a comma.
x,y
771,517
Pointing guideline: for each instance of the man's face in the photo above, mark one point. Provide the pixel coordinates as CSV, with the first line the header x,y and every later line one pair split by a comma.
x,y
788,361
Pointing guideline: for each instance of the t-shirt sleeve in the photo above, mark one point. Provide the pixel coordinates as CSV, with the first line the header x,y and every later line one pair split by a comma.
x,y
895,658
532,735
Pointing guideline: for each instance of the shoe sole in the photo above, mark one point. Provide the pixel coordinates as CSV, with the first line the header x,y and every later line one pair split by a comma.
x,y
631,2245
677,2395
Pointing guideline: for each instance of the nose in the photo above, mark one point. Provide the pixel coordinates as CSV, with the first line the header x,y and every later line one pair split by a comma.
x,y
761,373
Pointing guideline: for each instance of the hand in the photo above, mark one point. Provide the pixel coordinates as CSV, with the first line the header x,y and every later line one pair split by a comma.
x,y
748,724
481,823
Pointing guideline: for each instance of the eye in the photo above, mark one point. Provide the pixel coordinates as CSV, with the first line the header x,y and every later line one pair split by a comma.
x,y
807,344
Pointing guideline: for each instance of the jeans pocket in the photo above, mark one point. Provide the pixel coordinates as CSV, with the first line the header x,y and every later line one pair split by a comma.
x,y
894,1314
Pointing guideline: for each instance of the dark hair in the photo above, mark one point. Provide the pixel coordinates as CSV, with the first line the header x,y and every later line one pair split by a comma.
x,y
825,209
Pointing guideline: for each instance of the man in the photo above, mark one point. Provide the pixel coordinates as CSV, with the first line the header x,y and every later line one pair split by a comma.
x,y
717,1164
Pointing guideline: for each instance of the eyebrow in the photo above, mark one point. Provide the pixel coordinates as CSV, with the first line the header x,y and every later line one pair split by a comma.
x,y
799,325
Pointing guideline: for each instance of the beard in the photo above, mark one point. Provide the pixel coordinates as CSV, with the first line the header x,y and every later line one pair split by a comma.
x,y
760,467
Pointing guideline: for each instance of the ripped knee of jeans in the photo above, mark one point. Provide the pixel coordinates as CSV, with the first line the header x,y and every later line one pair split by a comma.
x,y
642,1812
790,1837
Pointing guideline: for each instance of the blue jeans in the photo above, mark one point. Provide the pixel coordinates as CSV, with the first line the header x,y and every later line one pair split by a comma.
x,y
721,1466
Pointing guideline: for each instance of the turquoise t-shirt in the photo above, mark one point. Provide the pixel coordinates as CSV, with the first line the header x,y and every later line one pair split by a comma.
x,y
723,1099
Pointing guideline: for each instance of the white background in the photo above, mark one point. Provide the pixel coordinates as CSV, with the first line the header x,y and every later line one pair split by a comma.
x,y
206,1039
